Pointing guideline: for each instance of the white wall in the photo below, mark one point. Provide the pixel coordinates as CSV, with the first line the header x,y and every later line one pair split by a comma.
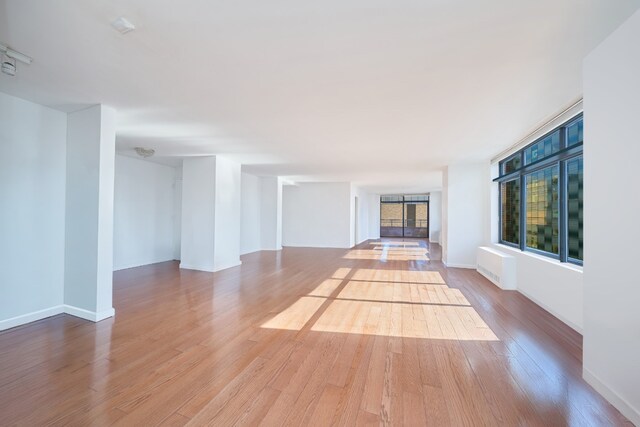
x,y
317,215
465,207
611,205
227,229
435,216
362,231
88,287
32,200
250,228
556,287
177,213
374,216
271,213
198,213
143,213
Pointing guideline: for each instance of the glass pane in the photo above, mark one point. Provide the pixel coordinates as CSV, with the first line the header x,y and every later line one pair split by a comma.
x,y
511,165
415,219
510,211
391,199
391,219
543,148
542,210
574,133
416,198
574,208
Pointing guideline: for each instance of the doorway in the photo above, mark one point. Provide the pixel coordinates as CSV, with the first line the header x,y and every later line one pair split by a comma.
x,y
404,215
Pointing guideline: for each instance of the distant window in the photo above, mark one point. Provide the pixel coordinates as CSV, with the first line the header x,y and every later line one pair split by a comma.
x,y
545,181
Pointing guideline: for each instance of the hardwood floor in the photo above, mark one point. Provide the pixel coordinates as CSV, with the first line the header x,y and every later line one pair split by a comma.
x,y
382,334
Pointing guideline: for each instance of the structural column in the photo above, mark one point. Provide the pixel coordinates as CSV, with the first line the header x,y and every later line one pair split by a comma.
x,y
88,288
271,213
210,236
465,196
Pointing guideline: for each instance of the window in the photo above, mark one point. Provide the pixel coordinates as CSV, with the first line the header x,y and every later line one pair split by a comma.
x,y
574,208
541,191
510,211
542,210
542,149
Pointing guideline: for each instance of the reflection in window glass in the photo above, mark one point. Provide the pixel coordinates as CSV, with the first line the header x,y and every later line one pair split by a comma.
x,y
510,196
574,208
512,164
542,210
574,133
546,147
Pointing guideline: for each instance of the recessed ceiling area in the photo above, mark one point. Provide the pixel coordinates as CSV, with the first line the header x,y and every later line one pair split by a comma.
x,y
381,93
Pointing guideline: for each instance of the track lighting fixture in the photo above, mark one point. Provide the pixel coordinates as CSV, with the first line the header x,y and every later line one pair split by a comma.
x,y
9,58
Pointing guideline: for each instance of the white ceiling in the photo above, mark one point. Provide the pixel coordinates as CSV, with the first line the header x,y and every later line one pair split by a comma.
x,y
382,93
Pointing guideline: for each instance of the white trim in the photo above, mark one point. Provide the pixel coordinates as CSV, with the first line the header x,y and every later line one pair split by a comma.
x,y
554,313
53,311
89,315
134,265
568,113
455,265
614,398
211,269
556,262
31,317
230,265
207,268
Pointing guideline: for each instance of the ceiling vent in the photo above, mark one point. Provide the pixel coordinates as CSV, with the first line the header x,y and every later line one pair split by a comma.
x,y
122,25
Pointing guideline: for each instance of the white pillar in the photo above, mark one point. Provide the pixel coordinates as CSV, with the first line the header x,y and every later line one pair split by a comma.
x,y
88,288
271,210
465,199
210,237
228,188
435,216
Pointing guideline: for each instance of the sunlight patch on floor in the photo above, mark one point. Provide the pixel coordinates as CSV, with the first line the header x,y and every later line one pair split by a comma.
x,y
395,243
404,320
296,315
389,254
396,303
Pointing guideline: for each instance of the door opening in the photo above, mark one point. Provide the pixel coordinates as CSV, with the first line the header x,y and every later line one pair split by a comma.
x,y
404,215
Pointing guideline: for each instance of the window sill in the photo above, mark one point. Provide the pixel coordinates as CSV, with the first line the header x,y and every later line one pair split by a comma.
x,y
515,251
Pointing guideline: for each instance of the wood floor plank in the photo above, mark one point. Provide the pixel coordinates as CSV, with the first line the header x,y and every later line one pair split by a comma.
x,y
382,334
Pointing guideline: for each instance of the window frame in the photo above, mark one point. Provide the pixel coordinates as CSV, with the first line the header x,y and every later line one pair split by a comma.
x,y
560,159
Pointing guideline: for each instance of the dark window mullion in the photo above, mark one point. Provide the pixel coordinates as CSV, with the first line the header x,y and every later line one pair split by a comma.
x,y
523,213
562,200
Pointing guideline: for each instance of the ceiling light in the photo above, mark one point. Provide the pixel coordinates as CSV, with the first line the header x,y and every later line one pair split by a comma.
x,y
8,65
122,25
9,57
145,152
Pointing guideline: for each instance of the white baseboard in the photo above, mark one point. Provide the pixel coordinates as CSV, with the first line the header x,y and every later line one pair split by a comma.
x,y
207,268
553,312
89,315
210,268
31,317
228,265
621,404
53,311
455,265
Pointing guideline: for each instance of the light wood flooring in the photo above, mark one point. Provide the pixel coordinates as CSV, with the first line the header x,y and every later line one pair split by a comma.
x,y
381,334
